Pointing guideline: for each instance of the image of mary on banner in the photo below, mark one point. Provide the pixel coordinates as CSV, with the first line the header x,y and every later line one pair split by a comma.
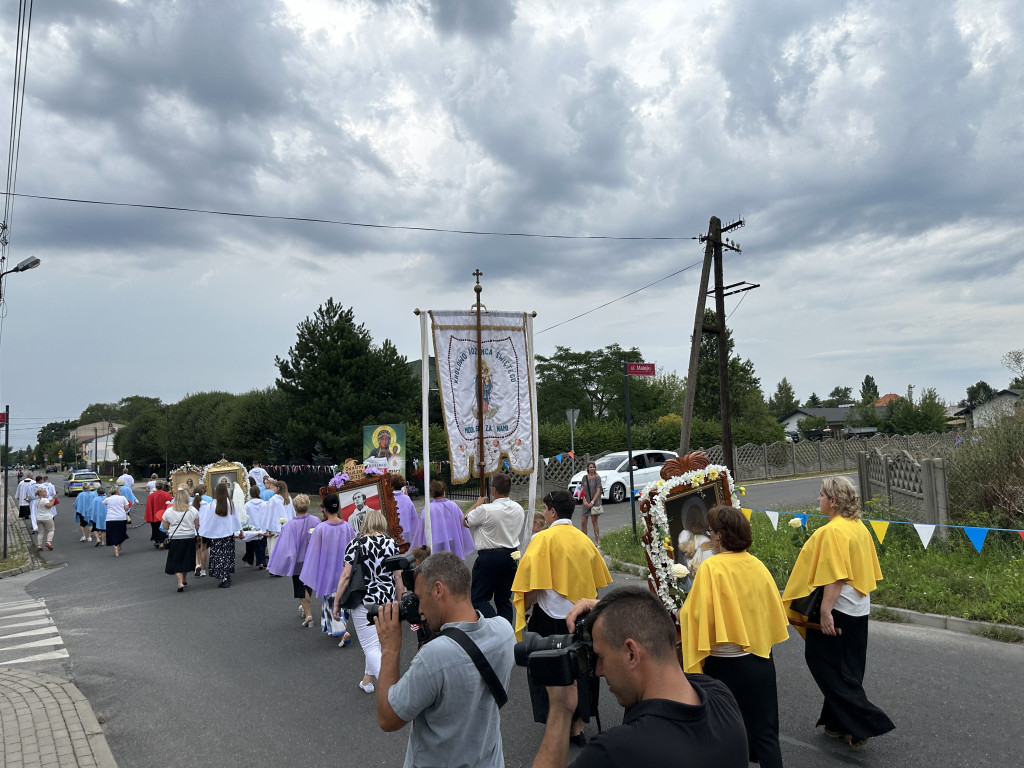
x,y
501,391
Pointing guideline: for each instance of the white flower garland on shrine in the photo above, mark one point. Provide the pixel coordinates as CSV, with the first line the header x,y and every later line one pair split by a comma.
x,y
661,543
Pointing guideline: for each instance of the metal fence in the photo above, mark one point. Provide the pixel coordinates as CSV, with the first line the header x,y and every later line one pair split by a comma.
x,y
781,459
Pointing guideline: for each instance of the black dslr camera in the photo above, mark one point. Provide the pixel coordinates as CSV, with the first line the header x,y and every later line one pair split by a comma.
x,y
559,660
409,605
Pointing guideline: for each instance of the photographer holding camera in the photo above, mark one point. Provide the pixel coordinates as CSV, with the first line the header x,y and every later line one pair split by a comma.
x,y
671,717
560,567
453,688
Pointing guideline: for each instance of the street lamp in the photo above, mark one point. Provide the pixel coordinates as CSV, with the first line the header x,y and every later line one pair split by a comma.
x,y
30,263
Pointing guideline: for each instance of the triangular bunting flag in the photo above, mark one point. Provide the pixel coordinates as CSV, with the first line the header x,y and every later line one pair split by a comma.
x,y
879,527
977,536
774,517
572,454
1021,534
802,519
559,457
746,512
924,532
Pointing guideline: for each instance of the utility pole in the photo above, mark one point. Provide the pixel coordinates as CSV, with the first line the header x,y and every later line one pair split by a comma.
x,y
714,245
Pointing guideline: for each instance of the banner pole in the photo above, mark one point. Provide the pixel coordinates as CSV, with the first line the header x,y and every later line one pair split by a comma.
x,y
480,387
425,421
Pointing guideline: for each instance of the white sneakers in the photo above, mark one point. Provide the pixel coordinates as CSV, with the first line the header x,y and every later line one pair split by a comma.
x,y
368,687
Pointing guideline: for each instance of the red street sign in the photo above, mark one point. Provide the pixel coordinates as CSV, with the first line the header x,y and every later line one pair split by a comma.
x,y
640,369
3,417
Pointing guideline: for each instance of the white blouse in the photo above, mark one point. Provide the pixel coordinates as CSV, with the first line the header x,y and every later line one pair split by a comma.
x,y
117,507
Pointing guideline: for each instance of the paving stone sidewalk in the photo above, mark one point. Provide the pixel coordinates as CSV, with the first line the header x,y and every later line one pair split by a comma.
x,y
46,722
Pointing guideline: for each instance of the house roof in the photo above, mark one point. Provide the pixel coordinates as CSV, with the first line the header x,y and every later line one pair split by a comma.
x,y
832,415
884,400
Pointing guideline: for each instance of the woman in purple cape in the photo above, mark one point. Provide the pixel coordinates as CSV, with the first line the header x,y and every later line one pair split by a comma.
x,y
290,552
325,560
408,517
447,532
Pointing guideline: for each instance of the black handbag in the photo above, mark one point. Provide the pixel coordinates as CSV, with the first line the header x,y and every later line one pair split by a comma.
x,y
809,605
355,590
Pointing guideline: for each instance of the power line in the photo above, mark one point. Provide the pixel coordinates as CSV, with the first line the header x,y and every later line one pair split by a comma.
x,y
626,296
337,222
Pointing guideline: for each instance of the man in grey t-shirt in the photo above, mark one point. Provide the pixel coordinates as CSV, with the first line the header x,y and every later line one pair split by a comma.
x,y
456,720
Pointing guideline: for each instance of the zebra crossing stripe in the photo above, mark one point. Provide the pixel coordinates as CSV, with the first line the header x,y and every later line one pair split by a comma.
x,y
25,619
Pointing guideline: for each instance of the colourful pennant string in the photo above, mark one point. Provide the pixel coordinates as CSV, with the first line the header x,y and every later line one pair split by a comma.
x,y
879,527
774,518
747,512
977,536
924,532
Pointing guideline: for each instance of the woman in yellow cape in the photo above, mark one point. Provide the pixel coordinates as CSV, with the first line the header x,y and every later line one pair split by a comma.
x,y
730,621
840,558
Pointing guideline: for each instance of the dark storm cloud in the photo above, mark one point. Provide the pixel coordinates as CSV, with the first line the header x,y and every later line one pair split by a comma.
x,y
473,18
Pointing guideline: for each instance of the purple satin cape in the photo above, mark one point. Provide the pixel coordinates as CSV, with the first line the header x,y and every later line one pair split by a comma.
x,y
447,532
408,517
325,557
291,544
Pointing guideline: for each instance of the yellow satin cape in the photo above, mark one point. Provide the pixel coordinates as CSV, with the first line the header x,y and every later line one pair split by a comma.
x,y
841,550
564,559
734,599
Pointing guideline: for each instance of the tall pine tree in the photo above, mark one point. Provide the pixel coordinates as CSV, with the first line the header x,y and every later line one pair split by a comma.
x,y
337,380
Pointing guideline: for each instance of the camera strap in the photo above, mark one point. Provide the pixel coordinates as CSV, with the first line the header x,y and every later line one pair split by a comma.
x,y
490,678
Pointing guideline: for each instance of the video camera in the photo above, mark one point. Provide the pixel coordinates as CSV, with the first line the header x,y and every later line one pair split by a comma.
x,y
560,660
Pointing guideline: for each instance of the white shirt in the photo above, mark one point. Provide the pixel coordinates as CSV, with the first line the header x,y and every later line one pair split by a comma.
x,y
117,507
555,605
853,603
126,479
151,486
496,524
257,474
50,490
187,527
41,510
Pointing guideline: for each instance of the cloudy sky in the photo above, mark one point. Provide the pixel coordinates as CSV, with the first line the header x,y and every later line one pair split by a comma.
x,y
875,150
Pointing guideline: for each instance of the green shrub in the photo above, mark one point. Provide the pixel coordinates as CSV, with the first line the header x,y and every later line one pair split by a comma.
x,y
986,478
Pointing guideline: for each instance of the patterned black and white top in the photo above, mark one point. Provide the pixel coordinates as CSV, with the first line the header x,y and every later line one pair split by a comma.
x,y
374,550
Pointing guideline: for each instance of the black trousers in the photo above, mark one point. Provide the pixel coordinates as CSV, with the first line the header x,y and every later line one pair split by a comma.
x,y
837,666
493,574
255,552
25,512
752,682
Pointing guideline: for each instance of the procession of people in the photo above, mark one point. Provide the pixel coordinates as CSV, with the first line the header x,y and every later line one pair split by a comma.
x,y
730,620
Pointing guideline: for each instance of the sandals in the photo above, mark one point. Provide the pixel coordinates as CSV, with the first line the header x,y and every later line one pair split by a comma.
x,y
308,621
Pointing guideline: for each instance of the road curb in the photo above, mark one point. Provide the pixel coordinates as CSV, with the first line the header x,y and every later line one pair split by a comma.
x,y
48,721
884,612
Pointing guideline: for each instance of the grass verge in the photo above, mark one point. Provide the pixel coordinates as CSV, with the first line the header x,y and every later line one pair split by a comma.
x,y
949,578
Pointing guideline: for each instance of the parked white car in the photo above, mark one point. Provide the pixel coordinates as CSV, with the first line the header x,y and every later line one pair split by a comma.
x,y
613,470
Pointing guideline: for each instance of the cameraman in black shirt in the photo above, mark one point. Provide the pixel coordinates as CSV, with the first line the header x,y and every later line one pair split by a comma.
x,y
670,716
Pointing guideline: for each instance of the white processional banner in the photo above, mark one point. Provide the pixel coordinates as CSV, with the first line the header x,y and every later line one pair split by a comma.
x,y
507,407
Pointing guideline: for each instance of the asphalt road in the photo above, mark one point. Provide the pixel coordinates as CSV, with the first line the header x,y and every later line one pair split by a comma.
x,y
216,677
776,495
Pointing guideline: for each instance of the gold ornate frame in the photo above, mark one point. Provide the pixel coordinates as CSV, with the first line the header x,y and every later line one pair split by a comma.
x,y
223,468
